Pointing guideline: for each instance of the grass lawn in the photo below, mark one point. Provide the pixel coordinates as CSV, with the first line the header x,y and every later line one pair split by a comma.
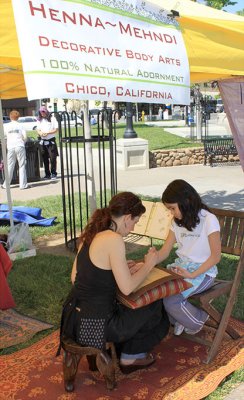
x,y
157,136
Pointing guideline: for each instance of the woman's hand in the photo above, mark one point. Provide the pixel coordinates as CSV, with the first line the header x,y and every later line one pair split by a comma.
x,y
44,134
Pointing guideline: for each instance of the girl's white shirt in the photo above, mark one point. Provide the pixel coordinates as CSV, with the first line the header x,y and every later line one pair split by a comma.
x,y
194,245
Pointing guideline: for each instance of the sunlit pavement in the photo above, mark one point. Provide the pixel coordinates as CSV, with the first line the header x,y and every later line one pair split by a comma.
x,y
220,186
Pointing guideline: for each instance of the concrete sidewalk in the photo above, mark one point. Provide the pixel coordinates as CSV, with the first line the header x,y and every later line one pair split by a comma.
x,y
236,394
218,125
220,186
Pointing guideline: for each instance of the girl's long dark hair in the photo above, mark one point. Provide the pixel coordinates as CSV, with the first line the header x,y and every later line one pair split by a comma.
x,y
188,200
102,219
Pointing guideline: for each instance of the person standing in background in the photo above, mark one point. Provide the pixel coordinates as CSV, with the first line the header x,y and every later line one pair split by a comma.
x,y
16,137
160,113
47,128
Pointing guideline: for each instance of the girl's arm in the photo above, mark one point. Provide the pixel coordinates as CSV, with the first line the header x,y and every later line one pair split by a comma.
x,y
213,259
126,281
165,250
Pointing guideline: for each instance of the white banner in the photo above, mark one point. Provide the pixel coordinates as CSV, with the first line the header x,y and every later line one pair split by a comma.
x,y
76,49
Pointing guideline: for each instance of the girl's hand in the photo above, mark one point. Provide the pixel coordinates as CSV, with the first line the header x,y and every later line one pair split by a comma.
x,y
182,272
44,134
134,268
131,263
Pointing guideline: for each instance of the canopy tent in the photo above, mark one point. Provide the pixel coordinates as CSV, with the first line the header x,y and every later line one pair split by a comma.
x,y
214,42
12,84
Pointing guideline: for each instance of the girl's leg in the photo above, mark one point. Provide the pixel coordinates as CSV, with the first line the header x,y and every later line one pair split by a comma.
x,y
182,311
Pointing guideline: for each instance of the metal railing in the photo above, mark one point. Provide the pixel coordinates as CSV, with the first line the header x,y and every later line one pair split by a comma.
x,y
76,174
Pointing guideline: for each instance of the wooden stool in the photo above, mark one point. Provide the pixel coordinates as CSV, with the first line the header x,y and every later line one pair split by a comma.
x,y
97,360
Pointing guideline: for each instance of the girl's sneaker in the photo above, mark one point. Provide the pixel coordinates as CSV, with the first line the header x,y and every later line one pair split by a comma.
x,y
178,329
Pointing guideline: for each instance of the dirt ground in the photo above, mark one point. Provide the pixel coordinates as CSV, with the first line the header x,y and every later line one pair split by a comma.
x,y
55,245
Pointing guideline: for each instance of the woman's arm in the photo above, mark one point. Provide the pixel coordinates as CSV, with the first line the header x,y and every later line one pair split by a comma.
x,y
24,135
74,268
126,281
53,128
213,259
52,131
74,271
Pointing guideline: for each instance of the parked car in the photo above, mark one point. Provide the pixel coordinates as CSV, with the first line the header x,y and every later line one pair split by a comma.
x,y
94,112
29,123
190,119
72,120
6,119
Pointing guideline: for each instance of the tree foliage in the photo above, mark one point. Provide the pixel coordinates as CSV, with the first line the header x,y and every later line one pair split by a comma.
x,y
219,4
241,12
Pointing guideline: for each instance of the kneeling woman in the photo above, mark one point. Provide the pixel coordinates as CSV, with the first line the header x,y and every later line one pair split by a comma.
x,y
100,268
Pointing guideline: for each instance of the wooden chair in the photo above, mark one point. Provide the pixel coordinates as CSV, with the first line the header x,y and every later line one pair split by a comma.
x,y
232,242
97,360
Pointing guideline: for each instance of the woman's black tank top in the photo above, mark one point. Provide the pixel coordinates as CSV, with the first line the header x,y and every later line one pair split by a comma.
x,y
95,287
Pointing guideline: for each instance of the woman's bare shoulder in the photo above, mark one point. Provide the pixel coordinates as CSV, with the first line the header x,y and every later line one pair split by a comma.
x,y
109,235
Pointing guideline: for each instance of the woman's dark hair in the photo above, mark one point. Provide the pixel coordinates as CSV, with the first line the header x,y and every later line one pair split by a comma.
x,y
43,109
188,200
102,219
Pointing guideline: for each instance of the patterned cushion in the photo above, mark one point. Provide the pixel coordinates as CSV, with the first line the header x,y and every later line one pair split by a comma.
x,y
165,289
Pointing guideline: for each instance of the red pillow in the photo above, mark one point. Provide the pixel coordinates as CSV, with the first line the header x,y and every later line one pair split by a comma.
x,y
164,289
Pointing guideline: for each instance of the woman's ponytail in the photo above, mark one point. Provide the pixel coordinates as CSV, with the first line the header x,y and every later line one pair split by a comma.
x,y
100,221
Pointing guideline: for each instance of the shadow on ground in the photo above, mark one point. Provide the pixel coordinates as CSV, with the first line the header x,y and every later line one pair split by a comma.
x,y
223,200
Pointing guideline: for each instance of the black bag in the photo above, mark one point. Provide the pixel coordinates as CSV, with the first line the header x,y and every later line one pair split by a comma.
x,y
67,324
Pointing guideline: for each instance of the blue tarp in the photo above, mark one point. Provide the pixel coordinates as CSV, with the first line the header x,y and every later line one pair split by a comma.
x,y
29,215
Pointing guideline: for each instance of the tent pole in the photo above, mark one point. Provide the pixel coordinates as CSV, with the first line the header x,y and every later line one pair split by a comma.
x,y
5,163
